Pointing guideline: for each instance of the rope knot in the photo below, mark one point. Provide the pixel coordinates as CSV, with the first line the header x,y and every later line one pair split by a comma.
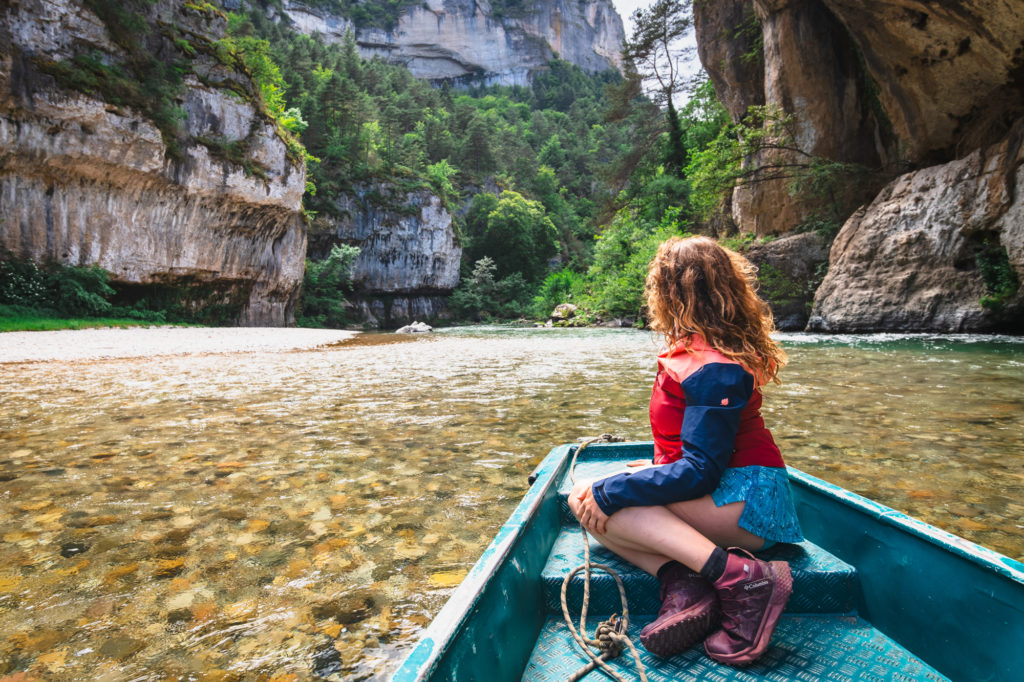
x,y
609,637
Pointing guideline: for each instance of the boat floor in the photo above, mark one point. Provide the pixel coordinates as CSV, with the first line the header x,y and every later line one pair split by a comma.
x,y
839,648
820,637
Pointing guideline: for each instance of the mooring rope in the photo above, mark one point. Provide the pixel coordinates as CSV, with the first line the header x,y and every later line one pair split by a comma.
x,y
610,637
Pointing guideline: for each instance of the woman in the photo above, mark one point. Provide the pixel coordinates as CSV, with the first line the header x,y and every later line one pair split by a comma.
x,y
717,480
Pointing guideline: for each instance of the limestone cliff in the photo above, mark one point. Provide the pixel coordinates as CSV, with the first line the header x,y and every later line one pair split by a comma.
x,y
468,41
894,86
909,260
409,252
91,172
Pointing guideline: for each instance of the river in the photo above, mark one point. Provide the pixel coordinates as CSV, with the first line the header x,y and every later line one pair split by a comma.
x,y
276,515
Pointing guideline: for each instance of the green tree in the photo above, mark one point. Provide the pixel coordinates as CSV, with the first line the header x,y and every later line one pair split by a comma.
x,y
481,297
657,51
325,286
519,237
476,149
622,257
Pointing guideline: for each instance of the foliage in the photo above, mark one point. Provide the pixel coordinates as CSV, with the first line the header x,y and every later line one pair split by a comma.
x,y
20,318
369,121
59,291
240,44
779,288
72,291
622,257
516,235
324,287
440,175
763,147
62,291
563,286
482,297
1001,281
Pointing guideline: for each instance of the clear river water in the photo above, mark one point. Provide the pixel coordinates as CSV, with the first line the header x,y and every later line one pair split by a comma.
x,y
279,516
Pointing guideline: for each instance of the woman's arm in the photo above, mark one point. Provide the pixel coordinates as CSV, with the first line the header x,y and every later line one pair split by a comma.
x,y
715,397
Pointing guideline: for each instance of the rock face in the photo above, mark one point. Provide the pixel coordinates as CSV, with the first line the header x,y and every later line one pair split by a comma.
x,y
950,75
789,271
894,86
408,252
810,70
83,181
467,41
908,261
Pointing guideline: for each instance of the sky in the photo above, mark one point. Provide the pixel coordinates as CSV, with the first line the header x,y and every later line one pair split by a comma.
x,y
625,8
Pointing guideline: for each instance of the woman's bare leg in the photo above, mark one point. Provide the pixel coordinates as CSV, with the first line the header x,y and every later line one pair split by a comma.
x,y
687,532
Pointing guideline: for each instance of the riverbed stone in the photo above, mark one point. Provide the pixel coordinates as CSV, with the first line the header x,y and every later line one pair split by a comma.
x,y
120,647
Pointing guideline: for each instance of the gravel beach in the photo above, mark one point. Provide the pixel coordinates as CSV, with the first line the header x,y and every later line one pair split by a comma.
x,y
98,344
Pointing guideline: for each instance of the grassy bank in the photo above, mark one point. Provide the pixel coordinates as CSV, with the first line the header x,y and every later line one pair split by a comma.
x,y
15,321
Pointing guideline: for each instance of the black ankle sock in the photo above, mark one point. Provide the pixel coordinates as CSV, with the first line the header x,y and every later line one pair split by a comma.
x,y
666,566
715,565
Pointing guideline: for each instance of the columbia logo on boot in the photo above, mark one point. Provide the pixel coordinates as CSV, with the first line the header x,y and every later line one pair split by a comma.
x,y
759,583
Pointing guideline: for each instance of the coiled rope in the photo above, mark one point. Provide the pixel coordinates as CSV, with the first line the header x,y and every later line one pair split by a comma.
x,y
610,637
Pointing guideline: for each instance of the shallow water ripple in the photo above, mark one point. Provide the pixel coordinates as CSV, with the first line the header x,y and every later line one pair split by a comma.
x,y
297,514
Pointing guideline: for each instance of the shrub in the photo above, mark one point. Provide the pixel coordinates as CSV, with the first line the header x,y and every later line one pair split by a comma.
x,y
622,256
559,287
1001,281
72,291
324,287
480,297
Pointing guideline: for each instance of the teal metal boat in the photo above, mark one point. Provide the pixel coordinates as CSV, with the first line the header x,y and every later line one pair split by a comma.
x,y
877,595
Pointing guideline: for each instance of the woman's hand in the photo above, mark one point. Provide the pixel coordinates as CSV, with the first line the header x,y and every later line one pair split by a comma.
x,y
584,506
640,463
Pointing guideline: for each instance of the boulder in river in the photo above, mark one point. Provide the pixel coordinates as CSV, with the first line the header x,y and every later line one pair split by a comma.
x,y
563,312
415,328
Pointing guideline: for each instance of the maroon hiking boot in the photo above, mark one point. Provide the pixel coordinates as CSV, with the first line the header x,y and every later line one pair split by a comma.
x,y
689,611
753,594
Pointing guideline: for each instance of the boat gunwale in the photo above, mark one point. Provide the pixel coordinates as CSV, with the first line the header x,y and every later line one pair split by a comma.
x,y
962,547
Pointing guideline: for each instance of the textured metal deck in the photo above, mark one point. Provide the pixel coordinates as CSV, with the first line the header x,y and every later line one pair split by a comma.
x,y
805,647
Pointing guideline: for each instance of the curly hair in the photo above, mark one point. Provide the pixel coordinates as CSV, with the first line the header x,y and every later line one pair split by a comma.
x,y
697,288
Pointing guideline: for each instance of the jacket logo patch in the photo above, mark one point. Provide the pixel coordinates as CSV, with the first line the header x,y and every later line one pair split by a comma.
x,y
755,585
725,401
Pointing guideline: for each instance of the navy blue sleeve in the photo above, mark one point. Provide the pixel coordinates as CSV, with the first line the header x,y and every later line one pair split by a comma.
x,y
715,397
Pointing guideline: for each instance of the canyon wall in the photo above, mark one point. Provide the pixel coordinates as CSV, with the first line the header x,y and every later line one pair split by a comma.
x,y
212,204
409,253
468,41
927,100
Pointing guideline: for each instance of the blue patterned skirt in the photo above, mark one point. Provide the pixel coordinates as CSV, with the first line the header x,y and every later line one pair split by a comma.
x,y
769,512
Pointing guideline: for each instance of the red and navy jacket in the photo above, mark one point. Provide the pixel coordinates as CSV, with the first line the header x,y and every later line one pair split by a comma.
x,y
705,416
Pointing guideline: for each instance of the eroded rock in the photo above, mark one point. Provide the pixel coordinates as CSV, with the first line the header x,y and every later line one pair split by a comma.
x,y
408,252
789,271
909,260
415,328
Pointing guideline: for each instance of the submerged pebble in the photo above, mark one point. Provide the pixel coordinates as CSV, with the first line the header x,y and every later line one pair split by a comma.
x,y
70,549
